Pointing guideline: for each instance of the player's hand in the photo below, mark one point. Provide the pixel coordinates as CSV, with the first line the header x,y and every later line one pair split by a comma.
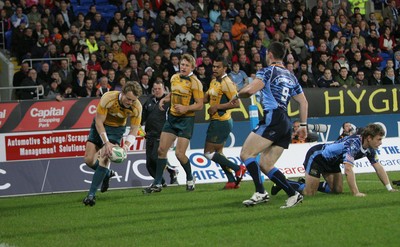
x,y
107,149
212,110
302,133
181,108
359,194
161,105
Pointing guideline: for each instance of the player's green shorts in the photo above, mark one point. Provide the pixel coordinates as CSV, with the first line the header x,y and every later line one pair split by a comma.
x,y
179,126
114,135
218,131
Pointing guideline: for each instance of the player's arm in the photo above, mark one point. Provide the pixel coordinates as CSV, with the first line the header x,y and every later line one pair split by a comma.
x,y
164,100
351,179
99,120
303,115
380,171
196,106
206,98
248,90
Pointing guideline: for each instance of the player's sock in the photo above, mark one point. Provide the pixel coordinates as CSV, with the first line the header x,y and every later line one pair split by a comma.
x,y
223,161
94,167
161,164
324,187
228,174
279,179
98,177
298,186
188,169
254,170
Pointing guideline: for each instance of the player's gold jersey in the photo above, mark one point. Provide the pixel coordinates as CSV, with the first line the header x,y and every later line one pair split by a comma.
x,y
183,91
116,113
221,92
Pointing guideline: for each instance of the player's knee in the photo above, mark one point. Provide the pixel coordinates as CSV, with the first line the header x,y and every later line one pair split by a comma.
x,y
209,155
89,161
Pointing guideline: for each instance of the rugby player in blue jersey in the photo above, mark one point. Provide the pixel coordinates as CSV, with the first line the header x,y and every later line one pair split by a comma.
x,y
273,133
325,160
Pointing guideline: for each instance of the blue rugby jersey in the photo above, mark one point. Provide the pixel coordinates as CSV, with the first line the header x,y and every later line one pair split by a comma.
x,y
348,150
279,86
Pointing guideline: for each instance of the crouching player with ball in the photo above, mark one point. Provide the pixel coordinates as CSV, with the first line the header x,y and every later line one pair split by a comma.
x,y
107,129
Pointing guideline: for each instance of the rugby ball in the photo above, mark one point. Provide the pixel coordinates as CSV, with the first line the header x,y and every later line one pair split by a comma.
x,y
118,154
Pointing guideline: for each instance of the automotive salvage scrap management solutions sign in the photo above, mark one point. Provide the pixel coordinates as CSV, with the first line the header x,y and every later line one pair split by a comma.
x,y
46,145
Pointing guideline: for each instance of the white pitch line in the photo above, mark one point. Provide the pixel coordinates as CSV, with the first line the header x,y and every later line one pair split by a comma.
x,y
45,175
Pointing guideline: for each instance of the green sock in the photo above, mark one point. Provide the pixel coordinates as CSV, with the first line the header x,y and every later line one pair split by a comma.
x,y
98,177
94,167
223,161
188,169
228,174
161,164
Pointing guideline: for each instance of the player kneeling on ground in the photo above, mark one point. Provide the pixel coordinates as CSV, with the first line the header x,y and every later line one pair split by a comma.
x,y
106,132
325,160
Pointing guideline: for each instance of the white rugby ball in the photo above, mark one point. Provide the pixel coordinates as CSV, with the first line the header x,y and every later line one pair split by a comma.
x,y
118,154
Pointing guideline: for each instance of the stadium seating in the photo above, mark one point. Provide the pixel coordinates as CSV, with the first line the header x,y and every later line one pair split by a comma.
x,y
8,36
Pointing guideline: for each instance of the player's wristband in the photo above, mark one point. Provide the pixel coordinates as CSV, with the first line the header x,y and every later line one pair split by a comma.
x,y
131,139
236,96
104,137
388,187
303,124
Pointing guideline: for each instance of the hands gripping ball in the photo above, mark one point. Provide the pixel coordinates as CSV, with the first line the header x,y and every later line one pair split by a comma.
x,y
118,154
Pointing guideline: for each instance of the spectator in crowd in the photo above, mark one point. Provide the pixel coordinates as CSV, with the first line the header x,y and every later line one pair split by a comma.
x,y
145,85
347,130
119,56
201,75
390,78
53,92
360,79
239,77
224,21
103,86
345,80
326,80
29,81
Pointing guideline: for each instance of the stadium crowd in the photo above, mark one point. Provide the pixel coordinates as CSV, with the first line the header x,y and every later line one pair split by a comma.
x,y
328,45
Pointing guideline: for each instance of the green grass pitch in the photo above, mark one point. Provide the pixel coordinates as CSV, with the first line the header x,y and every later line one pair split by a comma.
x,y
208,216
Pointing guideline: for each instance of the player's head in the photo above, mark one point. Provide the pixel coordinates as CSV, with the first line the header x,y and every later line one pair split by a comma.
x,y
277,50
372,135
130,93
219,67
187,64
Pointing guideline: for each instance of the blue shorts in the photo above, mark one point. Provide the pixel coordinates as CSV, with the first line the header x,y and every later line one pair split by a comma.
x,y
114,135
315,164
276,127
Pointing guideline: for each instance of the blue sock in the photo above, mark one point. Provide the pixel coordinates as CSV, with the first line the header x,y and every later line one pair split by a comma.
x,y
188,169
324,187
161,164
254,170
298,186
279,179
98,177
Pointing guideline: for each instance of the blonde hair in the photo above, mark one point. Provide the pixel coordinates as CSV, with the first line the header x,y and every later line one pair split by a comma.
x,y
134,87
190,59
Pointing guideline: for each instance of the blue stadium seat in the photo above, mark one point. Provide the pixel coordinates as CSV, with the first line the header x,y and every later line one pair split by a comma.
x,y
109,8
101,2
86,2
81,8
